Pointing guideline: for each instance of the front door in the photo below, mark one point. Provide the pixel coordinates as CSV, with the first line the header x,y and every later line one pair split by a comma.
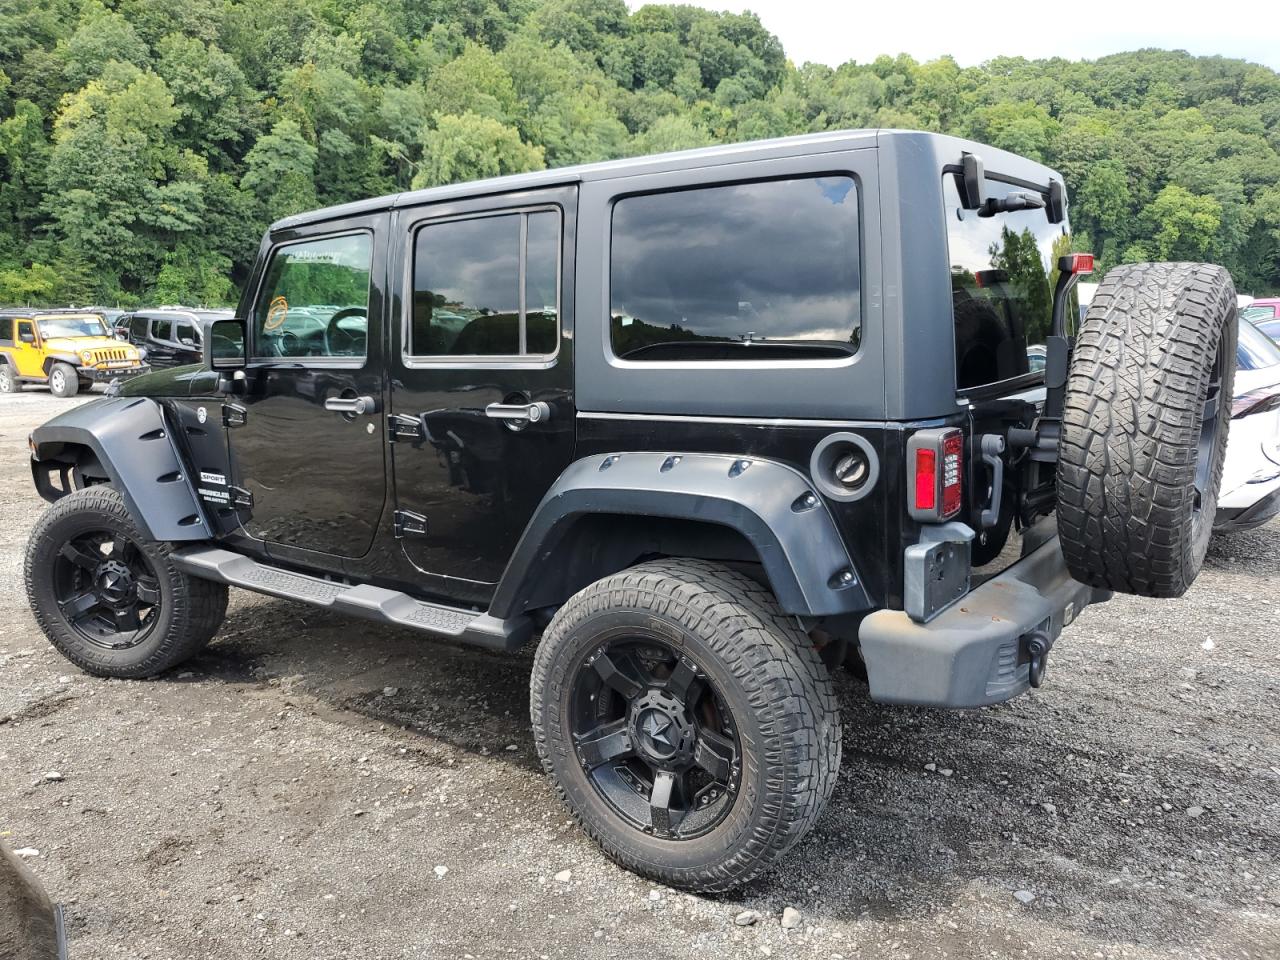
x,y
482,396
306,434
26,352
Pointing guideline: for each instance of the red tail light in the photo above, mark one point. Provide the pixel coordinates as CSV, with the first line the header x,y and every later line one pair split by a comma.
x,y
936,459
1081,263
926,479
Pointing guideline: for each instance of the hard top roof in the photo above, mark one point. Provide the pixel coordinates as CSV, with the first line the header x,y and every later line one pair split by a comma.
x,y
606,169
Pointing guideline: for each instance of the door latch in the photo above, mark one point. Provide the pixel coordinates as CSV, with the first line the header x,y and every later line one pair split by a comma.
x,y
234,415
408,523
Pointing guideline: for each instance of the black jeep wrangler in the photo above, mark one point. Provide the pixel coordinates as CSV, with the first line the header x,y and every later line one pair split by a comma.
x,y
710,424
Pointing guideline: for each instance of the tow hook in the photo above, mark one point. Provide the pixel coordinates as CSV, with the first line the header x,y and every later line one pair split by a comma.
x,y
1038,644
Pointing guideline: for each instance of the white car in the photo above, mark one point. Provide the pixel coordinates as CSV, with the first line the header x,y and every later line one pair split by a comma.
x,y
1250,492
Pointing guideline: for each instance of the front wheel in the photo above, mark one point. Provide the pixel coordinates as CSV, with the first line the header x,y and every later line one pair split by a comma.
x,y
110,600
63,381
688,724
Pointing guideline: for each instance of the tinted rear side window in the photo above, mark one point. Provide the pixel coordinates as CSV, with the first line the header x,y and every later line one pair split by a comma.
x,y
467,293
1002,273
161,329
766,270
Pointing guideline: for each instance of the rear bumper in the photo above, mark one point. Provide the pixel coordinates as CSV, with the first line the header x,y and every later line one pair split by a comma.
x,y
977,651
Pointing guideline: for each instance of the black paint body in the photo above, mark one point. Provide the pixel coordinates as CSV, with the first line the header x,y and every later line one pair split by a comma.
x,y
319,491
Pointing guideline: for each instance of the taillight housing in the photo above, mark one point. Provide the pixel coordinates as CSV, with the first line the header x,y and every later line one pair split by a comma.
x,y
935,471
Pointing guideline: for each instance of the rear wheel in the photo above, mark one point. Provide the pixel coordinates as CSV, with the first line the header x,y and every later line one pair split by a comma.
x,y
688,724
8,382
63,381
110,600
1144,427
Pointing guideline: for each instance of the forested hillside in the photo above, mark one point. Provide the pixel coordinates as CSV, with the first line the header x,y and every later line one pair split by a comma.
x,y
145,144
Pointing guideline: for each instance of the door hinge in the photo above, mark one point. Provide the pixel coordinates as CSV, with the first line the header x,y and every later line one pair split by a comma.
x,y
240,497
234,416
408,523
403,427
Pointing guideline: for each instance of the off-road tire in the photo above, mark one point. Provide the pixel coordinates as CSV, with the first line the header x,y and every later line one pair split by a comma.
x,y
191,609
8,382
762,664
63,380
1140,376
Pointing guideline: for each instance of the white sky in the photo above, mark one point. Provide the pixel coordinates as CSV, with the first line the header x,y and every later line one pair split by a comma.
x,y
833,32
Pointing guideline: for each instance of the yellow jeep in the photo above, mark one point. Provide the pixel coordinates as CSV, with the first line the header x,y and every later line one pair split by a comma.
x,y
66,349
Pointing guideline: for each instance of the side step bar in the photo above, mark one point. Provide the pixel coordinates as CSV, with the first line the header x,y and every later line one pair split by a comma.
x,y
362,600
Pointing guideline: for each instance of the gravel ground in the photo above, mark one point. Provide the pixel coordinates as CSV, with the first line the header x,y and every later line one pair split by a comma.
x,y
314,787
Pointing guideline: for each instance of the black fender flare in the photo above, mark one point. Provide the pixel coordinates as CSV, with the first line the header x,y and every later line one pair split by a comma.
x,y
771,504
131,441
68,358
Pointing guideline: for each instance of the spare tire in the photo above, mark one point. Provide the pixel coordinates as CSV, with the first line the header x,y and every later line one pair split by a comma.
x,y
1144,427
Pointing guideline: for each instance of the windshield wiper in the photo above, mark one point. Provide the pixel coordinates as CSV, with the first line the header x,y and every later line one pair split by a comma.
x,y
1014,201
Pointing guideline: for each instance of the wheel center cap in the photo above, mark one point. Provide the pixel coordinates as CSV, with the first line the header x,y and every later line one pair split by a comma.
x,y
660,728
115,582
656,728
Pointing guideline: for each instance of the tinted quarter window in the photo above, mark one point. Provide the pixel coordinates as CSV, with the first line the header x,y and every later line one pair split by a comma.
x,y
314,300
742,271
184,331
467,294
1003,270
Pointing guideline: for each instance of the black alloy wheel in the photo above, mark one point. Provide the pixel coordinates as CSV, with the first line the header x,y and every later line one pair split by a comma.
x,y
654,737
686,721
110,599
106,589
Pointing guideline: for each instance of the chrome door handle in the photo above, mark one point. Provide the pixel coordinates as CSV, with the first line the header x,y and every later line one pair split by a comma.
x,y
519,412
356,405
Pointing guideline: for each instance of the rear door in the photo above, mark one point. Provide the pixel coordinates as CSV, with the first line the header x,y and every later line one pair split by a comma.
x,y
482,390
186,343
159,348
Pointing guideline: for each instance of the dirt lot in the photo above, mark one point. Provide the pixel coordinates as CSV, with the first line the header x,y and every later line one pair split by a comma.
x,y
296,791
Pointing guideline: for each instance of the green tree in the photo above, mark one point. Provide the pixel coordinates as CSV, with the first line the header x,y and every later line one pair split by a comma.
x,y
470,147
280,171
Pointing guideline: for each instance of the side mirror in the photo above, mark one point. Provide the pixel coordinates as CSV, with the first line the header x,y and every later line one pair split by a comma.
x,y
27,337
186,341
121,335
224,345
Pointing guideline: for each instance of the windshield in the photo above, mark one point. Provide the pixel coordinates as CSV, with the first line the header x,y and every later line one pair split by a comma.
x,y
1255,350
1257,314
71,327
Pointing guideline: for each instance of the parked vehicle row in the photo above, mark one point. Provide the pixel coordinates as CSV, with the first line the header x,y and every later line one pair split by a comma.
x,y
72,349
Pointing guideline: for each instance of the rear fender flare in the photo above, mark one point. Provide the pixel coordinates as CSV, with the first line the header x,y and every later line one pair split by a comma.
x,y
130,439
771,504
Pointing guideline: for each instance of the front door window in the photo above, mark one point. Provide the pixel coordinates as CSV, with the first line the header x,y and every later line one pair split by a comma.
x,y
314,300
